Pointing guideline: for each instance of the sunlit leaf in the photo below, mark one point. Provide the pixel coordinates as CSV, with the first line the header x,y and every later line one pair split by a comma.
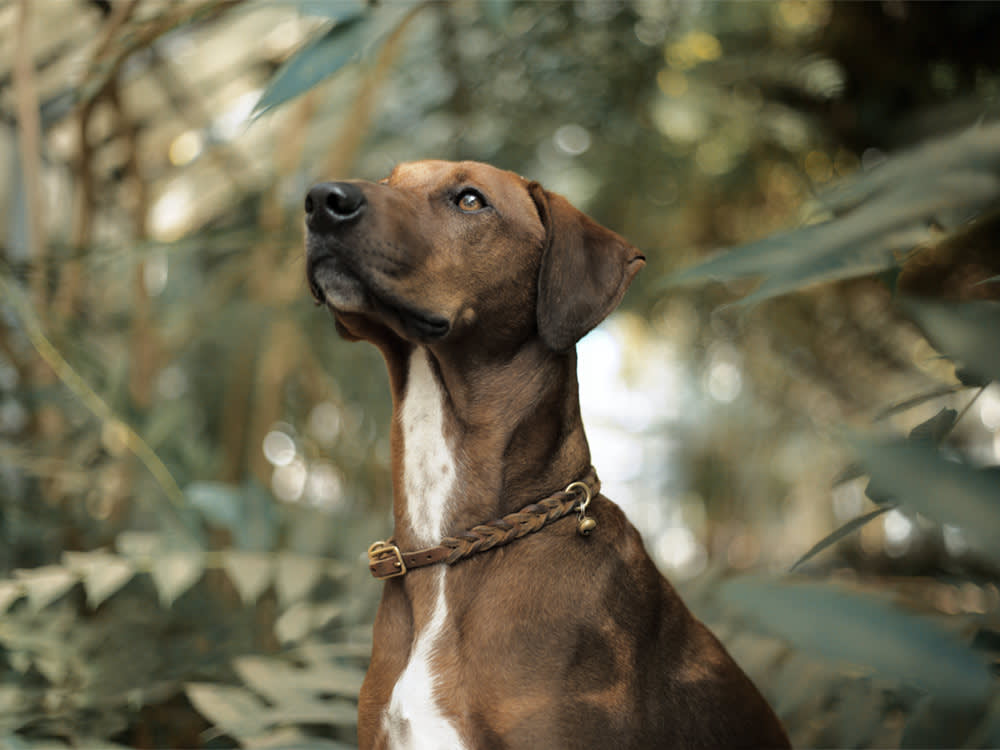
x,y
295,577
289,738
174,573
324,712
864,631
318,59
46,584
232,709
103,574
276,680
139,545
295,623
966,332
250,573
10,592
848,528
917,476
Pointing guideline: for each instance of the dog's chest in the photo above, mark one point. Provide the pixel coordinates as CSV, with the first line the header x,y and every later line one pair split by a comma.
x,y
414,719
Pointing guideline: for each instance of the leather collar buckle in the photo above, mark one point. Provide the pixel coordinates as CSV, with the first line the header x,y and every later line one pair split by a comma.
x,y
382,552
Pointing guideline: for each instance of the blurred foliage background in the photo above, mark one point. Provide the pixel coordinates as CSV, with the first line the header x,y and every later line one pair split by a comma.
x,y
192,463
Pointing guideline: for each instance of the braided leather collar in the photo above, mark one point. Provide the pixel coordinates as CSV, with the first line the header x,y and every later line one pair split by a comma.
x,y
385,560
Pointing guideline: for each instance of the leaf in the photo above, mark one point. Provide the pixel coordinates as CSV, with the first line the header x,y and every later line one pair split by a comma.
x,y
141,546
849,627
877,219
10,592
45,584
965,332
337,10
319,58
174,573
935,429
233,709
296,576
280,682
294,623
250,573
848,528
103,574
288,738
916,475
921,398
218,502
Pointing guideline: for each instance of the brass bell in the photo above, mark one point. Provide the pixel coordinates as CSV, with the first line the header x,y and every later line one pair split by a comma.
x,y
585,525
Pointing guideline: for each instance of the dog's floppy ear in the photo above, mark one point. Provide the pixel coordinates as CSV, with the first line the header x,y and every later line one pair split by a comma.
x,y
584,273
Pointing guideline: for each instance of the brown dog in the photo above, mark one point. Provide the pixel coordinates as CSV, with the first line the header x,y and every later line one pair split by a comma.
x,y
476,284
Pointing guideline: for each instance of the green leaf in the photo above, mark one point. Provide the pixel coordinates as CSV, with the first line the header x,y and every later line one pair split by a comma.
x,y
319,58
234,710
337,10
174,573
878,218
103,574
250,573
966,332
279,681
296,575
909,403
859,629
916,475
10,592
46,584
935,429
848,528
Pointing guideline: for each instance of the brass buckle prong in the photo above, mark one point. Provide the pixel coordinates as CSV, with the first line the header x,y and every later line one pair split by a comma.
x,y
381,548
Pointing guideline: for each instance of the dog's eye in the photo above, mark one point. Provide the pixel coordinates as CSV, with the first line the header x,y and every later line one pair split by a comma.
x,y
470,201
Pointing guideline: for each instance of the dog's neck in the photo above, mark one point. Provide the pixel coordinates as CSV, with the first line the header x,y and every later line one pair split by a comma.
x,y
476,438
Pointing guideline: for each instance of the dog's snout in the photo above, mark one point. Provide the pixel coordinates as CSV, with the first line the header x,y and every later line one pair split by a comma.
x,y
331,203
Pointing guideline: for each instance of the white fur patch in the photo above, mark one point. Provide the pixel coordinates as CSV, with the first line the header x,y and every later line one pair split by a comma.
x,y
428,463
413,719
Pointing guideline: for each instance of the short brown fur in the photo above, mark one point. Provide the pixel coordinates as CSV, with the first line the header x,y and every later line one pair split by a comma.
x,y
558,640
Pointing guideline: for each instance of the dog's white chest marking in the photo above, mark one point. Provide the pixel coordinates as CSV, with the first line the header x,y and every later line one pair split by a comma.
x,y
413,719
428,463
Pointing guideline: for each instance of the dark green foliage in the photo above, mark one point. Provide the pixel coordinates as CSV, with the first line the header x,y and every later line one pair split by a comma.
x,y
160,585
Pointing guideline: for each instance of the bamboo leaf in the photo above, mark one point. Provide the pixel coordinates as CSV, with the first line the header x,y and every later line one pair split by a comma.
x,y
909,403
319,58
966,332
862,630
916,475
848,528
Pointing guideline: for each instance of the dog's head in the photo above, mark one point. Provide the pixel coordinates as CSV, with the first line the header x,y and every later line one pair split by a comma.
x,y
442,250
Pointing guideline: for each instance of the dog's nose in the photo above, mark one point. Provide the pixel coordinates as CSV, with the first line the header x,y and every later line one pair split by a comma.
x,y
331,203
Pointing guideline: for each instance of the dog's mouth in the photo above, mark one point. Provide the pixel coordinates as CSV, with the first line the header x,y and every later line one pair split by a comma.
x,y
336,284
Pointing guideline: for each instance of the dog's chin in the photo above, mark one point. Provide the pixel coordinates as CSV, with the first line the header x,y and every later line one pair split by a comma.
x,y
349,297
